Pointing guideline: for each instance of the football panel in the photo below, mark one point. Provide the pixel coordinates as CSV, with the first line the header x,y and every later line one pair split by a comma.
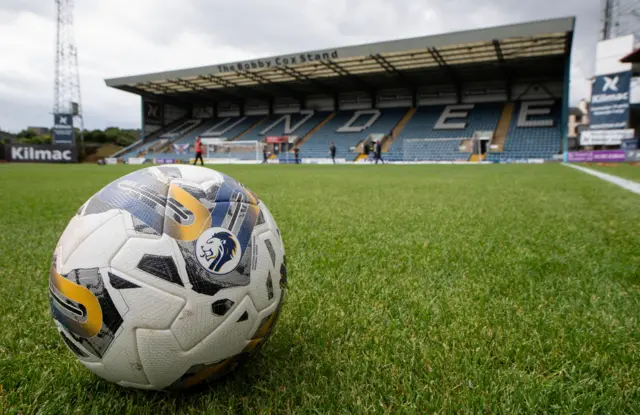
x,y
196,174
162,357
264,287
165,361
152,262
142,193
151,308
98,247
78,229
121,363
272,225
83,308
214,355
202,315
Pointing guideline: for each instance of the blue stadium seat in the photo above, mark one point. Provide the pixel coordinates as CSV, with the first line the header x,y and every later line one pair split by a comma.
x,y
318,144
532,142
446,142
278,129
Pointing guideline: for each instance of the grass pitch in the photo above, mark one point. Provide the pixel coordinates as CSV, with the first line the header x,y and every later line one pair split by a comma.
x,y
413,289
626,171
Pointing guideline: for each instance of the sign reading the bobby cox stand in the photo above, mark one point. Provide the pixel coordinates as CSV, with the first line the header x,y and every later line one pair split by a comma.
x,y
610,101
28,153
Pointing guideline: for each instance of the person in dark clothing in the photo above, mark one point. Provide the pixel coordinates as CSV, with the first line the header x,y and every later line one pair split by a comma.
x,y
198,152
378,152
332,151
265,155
296,154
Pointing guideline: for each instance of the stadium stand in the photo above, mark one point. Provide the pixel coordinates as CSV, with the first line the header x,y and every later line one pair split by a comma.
x,y
179,126
347,129
405,92
429,135
242,126
537,136
296,124
186,132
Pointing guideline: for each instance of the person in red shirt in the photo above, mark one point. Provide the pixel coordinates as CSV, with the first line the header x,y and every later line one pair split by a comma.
x,y
198,152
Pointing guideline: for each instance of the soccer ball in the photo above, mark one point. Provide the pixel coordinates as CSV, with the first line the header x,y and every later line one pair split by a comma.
x,y
168,276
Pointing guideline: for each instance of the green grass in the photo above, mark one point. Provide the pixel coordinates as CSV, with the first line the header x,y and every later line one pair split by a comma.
x,y
626,171
413,289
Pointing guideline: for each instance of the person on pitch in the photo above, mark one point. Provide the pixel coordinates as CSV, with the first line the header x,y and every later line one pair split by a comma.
x,y
378,152
198,152
296,154
332,152
265,155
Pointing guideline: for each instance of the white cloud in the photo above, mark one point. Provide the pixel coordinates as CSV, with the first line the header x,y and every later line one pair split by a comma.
x,y
125,37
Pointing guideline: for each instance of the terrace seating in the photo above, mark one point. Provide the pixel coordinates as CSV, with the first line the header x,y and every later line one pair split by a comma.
x,y
164,138
347,129
297,124
537,136
229,128
440,137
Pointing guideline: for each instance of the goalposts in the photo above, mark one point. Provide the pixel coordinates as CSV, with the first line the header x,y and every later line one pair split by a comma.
x,y
221,151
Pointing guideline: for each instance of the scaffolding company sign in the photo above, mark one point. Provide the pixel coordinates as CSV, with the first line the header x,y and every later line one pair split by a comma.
x,y
62,132
605,137
610,101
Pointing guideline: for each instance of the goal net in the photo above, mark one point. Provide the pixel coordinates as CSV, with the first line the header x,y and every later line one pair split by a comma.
x,y
435,149
218,151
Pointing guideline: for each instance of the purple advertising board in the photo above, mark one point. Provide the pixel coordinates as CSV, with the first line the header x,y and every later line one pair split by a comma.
x,y
597,156
164,161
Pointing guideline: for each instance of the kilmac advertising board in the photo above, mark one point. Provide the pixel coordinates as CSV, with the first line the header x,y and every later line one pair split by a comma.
x,y
610,101
27,153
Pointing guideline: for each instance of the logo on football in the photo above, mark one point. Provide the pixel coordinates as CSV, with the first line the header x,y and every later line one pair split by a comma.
x,y
218,251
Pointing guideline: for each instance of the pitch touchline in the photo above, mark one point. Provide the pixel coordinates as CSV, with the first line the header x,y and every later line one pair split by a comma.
x,y
625,184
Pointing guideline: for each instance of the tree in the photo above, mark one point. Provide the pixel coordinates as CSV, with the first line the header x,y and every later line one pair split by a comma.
x,y
27,134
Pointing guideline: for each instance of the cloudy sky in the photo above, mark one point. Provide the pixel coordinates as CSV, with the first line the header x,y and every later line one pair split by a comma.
x,y
128,37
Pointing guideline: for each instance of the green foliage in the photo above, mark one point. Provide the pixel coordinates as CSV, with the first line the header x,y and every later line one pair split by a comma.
x,y
38,139
113,135
27,134
117,136
434,289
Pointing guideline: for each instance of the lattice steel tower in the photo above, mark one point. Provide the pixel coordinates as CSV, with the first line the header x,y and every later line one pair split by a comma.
x,y
67,99
620,18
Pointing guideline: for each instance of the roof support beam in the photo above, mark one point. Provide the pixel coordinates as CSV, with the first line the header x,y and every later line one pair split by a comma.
x,y
538,85
267,83
387,66
435,54
304,78
228,84
504,69
205,92
160,90
356,80
160,98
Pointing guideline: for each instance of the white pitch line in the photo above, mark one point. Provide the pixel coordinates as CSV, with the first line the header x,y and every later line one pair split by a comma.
x,y
625,184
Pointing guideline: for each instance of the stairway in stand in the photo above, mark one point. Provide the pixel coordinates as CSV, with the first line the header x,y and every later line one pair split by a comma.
x,y
237,138
386,144
500,135
314,130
